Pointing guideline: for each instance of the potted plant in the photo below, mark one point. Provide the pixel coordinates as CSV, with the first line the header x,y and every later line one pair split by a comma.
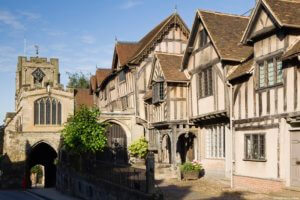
x,y
191,170
139,150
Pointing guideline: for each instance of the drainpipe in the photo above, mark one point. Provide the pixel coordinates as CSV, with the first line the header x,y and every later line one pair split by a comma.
x,y
232,132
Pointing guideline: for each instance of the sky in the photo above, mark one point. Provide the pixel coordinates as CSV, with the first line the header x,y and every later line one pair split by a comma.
x,y
81,33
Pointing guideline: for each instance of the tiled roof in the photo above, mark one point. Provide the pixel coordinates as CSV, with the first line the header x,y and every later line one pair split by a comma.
x,y
152,36
101,74
170,65
125,51
93,83
226,32
241,70
286,11
83,97
148,95
292,51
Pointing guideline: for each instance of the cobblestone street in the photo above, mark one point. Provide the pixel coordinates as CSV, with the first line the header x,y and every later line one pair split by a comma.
x,y
216,190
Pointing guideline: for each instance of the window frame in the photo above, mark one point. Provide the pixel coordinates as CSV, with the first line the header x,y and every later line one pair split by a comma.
x,y
158,92
47,119
251,157
275,60
203,38
122,76
205,83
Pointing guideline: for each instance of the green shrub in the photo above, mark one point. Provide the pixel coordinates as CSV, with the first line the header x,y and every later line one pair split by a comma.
x,y
139,148
191,166
83,132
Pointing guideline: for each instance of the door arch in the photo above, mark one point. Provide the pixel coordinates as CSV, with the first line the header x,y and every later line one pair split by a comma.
x,y
186,147
117,143
42,154
166,149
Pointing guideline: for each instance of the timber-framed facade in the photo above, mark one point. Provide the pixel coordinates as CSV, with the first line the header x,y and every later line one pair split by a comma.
x,y
226,93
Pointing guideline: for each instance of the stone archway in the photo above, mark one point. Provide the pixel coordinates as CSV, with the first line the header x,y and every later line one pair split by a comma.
x,y
186,147
166,154
42,154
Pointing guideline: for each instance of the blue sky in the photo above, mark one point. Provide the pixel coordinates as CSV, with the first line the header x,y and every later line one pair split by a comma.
x,y
82,33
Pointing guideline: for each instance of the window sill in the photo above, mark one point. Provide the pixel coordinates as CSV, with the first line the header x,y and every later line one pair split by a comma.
x,y
277,85
254,160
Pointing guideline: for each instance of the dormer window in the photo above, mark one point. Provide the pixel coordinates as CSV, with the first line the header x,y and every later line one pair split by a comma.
x,y
269,72
158,92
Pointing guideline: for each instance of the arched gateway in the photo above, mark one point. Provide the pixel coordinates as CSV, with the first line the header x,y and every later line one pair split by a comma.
x,y
42,154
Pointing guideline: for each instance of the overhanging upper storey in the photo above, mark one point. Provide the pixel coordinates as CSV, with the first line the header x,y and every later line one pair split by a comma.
x,y
270,15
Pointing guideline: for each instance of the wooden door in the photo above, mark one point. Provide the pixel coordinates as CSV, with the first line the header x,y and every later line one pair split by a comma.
x,y
295,159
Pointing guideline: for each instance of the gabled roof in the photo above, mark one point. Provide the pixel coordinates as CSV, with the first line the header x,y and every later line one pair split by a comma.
x,y
285,13
242,69
93,84
225,32
134,52
101,74
292,51
170,65
125,51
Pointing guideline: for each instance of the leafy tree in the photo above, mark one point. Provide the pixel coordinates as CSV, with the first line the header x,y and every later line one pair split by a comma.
x,y
139,148
83,132
78,80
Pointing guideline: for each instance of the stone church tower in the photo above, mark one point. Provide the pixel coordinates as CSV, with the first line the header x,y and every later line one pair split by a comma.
x,y
32,132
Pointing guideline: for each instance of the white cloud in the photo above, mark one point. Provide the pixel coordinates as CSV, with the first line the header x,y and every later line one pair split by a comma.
x,y
130,4
88,39
8,18
29,15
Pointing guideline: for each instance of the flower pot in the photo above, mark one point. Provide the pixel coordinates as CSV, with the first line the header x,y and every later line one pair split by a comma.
x,y
190,175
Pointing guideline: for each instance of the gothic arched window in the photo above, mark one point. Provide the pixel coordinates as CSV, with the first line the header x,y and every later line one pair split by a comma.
x,y
47,111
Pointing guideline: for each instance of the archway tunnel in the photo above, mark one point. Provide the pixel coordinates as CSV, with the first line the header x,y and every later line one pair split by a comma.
x,y
42,154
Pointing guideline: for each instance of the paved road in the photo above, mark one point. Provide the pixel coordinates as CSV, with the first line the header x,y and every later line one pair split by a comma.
x,y
16,195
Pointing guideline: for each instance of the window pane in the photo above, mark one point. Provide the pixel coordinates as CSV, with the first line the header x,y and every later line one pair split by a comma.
x,y
248,148
271,72
36,112
262,146
279,71
42,112
161,90
255,147
210,81
53,111
261,75
48,111
59,113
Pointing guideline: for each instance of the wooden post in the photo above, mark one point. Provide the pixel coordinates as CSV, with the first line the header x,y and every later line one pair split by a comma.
x,y
150,181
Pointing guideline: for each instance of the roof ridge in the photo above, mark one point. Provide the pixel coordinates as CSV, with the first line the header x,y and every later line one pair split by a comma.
x,y
220,13
128,42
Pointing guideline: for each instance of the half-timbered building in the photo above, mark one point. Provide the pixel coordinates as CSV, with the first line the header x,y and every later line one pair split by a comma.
x,y
266,145
212,50
166,110
120,95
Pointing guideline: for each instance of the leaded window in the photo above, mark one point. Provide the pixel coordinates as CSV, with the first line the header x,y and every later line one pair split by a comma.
x,y
215,142
158,92
205,83
270,72
255,147
47,111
